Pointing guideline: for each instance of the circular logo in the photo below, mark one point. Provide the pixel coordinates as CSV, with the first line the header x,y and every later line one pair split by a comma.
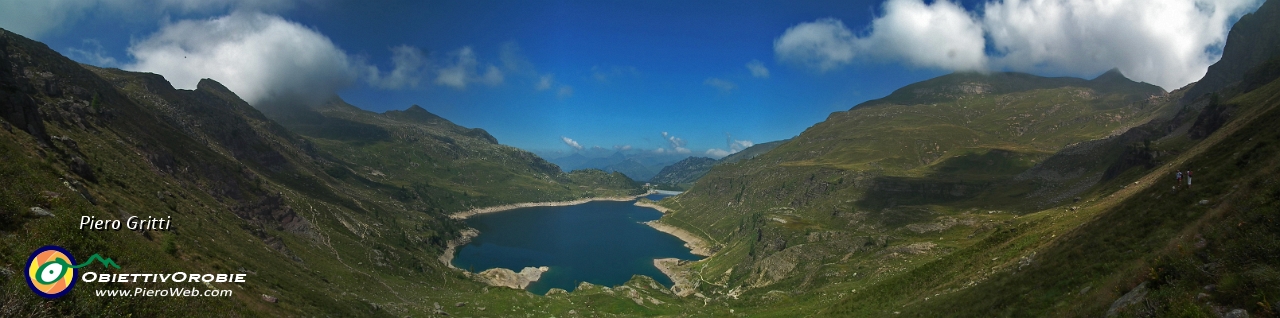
x,y
50,273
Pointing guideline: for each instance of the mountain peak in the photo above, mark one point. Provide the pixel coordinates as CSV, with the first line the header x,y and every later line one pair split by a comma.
x,y
208,84
416,113
1111,74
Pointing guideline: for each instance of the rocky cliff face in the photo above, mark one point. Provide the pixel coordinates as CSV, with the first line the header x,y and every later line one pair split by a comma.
x,y
684,171
1253,40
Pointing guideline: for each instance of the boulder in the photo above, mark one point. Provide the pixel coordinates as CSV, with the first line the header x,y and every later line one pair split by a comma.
x,y
1135,296
40,212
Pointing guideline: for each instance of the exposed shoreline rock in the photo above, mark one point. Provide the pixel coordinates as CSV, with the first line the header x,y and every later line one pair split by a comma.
x,y
506,207
696,245
660,208
681,283
447,256
508,278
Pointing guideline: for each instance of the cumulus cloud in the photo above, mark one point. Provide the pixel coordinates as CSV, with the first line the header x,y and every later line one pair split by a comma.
x,y
722,85
677,144
822,45
464,69
37,18
261,57
717,153
1167,43
941,35
571,143
409,66
757,69
739,145
733,145
91,52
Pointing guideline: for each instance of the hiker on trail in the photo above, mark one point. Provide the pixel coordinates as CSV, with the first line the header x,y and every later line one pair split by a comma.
x,y
1188,179
1179,179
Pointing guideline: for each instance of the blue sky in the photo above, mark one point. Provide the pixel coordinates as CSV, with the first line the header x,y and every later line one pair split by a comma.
x,y
537,74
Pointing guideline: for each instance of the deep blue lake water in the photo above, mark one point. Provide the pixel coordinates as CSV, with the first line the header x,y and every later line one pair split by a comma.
x,y
600,242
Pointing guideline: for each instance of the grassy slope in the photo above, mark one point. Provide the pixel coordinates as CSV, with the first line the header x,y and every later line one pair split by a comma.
x,y
422,156
245,196
800,224
1079,262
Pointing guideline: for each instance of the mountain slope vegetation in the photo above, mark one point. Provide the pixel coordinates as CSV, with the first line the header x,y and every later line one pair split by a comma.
x,y
970,194
1006,195
311,219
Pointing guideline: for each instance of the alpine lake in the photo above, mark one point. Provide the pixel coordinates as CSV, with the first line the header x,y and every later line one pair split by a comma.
x,y
600,242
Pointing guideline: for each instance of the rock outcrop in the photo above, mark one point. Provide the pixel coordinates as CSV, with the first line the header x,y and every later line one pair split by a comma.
x,y
508,278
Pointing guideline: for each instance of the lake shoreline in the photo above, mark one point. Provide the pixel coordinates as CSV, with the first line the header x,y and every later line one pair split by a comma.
x,y
660,208
452,246
696,245
681,282
507,207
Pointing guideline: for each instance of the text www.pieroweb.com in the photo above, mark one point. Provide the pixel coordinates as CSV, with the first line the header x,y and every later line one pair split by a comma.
x,y
164,292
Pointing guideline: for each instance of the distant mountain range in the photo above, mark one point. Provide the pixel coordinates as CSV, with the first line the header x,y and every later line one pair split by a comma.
x,y
674,170
682,174
638,165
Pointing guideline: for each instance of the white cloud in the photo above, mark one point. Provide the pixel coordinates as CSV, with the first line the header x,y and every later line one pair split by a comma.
x,y
675,141
722,85
677,144
717,153
622,147
91,52
464,69
739,145
941,35
1156,41
734,146
545,82
571,142
410,65
822,45
37,18
1167,43
261,57
757,69
565,91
